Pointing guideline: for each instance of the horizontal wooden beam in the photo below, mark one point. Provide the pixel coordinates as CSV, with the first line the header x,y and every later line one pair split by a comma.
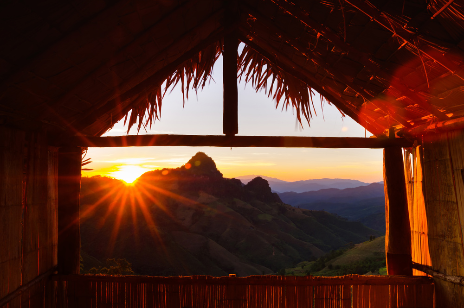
x,y
235,141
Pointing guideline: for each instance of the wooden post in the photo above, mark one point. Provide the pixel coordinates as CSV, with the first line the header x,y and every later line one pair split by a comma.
x,y
398,233
230,94
69,186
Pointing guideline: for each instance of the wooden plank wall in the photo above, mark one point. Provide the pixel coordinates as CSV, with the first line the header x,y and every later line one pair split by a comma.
x,y
443,192
28,212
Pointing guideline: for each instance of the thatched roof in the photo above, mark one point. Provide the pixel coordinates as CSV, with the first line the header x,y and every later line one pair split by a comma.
x,y
79,67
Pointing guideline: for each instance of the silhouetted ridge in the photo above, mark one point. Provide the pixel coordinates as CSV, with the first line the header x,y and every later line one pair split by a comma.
x,y
202,164
261,190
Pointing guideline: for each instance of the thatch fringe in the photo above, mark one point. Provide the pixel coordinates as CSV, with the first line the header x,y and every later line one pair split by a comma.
x,y
195,73
283,86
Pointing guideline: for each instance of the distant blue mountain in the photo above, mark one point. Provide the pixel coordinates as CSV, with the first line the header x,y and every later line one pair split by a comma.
x,y
280,186
365,204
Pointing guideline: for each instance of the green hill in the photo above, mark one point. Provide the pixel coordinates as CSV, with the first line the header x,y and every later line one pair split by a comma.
x,y
192,220
363,258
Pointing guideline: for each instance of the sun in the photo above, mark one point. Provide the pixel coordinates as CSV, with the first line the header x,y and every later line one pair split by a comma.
x,y
128,173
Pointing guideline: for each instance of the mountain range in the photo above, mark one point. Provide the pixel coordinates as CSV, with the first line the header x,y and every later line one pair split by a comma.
x,y
192,220
365,203
281,186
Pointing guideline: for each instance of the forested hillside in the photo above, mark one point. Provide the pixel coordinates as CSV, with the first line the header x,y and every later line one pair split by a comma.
x,y
365,204
192,220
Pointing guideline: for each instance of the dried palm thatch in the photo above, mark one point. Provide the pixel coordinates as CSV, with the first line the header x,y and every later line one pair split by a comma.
x,y
193,74
278,84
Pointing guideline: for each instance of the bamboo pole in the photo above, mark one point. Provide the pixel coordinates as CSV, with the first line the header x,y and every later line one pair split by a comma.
x,y
69,185
398,233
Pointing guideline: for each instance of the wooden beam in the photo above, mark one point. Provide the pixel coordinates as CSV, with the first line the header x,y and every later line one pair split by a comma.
x,y
235,141
229,72
398,232
69,186
230,94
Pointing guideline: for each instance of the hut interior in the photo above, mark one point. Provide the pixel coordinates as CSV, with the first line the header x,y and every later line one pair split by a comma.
x,y
69,70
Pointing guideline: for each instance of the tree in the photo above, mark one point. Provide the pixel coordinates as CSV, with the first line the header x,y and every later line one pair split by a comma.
x,y
113,267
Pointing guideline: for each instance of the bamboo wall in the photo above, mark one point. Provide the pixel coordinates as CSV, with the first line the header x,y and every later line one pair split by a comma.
x,y
28,212
416,205
351,291
436,206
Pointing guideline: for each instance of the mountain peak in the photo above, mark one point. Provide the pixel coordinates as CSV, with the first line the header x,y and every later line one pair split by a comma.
x,y
260,187
202,164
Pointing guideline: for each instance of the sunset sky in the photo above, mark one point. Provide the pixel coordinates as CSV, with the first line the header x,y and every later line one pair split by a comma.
x,y
258,115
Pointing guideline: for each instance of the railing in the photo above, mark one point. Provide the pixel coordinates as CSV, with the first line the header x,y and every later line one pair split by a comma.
x,y
234,292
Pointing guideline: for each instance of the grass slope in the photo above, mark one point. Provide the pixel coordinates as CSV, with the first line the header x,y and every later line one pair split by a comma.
x,y
364,258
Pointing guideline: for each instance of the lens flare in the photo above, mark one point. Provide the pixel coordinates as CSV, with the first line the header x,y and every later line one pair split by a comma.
x,y
129,173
